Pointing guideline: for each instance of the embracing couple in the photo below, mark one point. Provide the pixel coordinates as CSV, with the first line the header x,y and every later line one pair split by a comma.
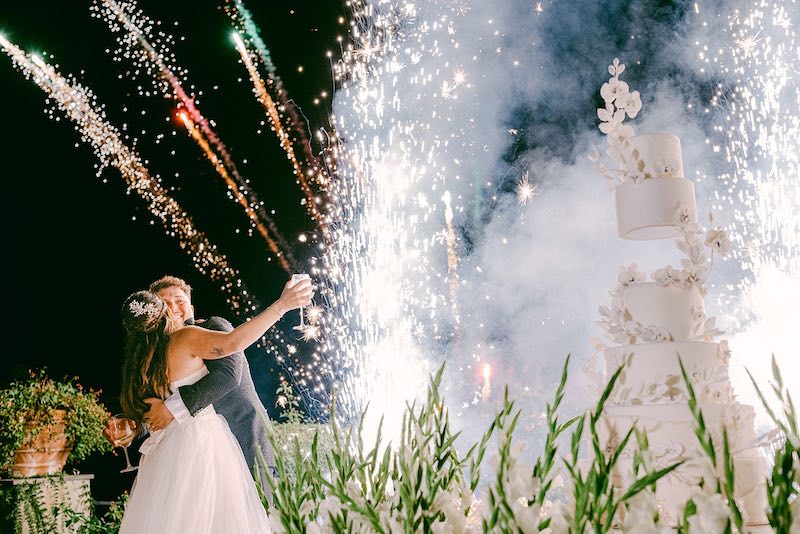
x,y
191,384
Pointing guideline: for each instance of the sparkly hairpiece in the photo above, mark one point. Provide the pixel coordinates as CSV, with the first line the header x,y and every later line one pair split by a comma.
x,y
139,308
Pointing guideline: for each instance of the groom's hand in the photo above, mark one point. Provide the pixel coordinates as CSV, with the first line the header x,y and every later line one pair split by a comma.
x,y
158,416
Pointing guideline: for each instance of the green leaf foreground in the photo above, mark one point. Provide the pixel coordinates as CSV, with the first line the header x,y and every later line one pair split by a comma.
x,y
391,486
783,489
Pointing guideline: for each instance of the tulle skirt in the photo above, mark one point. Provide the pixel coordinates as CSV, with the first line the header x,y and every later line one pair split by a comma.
x,y
193,479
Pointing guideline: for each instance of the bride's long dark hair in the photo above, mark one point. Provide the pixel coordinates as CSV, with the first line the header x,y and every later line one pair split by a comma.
x,y
147,324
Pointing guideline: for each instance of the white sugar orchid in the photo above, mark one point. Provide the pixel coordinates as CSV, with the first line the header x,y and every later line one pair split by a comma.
x,y
665,168
717,239
612,123
630,102
724,351
663,277
684,215
655,334
630,275
613,90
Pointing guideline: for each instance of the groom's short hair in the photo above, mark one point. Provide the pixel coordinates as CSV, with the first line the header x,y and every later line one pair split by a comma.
x,y
171,281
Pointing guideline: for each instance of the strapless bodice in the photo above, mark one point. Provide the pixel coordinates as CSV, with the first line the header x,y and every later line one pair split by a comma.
x,y
190,379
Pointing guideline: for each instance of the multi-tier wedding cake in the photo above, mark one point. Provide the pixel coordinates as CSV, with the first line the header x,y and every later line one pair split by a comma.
x,y
654,321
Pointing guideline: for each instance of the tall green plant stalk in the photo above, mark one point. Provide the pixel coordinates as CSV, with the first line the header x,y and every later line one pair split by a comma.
x,y
596,498
725,486
783,485
421,484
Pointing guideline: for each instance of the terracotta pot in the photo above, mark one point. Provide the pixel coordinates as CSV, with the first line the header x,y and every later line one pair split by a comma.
x,y
44,454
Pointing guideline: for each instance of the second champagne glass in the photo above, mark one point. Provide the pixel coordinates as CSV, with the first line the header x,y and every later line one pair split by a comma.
x,y
123,435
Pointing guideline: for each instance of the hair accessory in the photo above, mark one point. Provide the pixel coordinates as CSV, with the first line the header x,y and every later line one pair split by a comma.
x,y
139,308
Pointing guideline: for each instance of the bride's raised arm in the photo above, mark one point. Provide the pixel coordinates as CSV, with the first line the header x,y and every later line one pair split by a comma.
x,y
211,345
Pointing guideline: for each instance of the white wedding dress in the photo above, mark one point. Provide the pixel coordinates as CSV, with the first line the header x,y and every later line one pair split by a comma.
x,y
193,479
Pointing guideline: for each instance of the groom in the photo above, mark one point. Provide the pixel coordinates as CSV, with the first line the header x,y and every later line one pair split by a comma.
x,y
228,386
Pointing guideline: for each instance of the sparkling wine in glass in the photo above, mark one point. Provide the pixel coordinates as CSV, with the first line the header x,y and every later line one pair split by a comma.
x,y
296,279
123,434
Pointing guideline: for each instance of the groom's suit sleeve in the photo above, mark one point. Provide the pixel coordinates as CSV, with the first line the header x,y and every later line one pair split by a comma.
x,y
224,375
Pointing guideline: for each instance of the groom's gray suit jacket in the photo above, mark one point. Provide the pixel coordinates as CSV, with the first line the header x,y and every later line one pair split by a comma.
x,y
229,387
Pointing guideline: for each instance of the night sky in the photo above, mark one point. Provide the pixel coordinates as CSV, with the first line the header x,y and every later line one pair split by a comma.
x,y
74,250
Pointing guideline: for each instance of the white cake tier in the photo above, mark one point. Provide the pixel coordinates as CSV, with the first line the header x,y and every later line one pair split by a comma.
x,y
660,154
673,308
651,208
671,439
670,428
674,489
651,373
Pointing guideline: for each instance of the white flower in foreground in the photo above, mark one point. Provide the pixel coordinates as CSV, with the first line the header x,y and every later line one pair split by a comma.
x,y
307,507
455,518
329,506
640,516
560,518
717,239
712,513
526,517
274,522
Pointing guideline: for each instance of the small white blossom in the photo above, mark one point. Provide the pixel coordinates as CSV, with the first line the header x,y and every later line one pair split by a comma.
x,y
560,518
717,239
665,168
712,513
630,275
724,351
664,277
630,102
655,334
683,215
613,89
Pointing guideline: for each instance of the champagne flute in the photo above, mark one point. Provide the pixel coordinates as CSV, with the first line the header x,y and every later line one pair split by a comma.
x,y
296,279
123,435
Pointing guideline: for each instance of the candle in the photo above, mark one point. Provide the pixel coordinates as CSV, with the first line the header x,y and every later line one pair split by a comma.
x,y
487,388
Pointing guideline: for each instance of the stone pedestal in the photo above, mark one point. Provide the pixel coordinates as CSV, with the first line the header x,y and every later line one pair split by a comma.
x,y
27,503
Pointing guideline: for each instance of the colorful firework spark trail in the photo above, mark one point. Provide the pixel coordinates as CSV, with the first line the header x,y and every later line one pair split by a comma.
x,y
287,111
133,21
311,201
79,104
194,132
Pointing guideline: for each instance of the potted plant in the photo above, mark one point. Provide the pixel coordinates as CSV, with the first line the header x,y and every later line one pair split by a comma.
x,y
45,423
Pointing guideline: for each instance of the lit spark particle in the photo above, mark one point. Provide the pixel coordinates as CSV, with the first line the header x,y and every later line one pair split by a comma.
x,y
526,191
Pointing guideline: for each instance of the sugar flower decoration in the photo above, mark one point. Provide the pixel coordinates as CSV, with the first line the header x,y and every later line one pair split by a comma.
x,y
630,275
717,239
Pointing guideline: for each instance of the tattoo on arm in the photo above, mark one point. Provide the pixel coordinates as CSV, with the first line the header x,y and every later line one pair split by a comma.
x,y
217,351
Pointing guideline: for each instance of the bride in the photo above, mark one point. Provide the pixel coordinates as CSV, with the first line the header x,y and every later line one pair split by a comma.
x,y
192,476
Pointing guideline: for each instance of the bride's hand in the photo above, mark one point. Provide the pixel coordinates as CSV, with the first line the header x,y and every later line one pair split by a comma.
x,y
295,296
158,416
